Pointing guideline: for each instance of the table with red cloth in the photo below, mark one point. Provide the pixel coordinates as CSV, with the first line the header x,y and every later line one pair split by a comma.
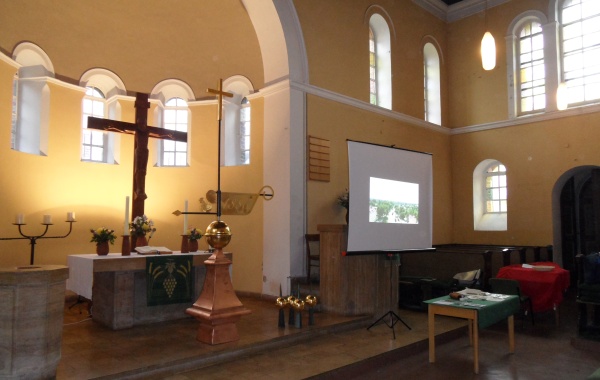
x,y
545,288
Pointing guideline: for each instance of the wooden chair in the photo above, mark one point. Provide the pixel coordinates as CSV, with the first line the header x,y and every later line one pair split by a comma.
x,y
313,253
511,287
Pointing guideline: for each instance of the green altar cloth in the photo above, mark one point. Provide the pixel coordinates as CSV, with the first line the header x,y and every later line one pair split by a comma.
x,y
169,279
488,312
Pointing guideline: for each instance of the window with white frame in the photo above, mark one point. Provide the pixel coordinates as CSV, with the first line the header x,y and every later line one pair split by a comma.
x,y
244,133
380,76
432,79
531,80
495,188
490,196
93,142
237,122
580,21
31,100
175,117
15,104
372,68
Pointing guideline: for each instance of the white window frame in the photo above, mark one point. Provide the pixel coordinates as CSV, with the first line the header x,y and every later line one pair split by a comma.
x,y
482,219
176,116
432,84
92,141
111,86
232,140
383,50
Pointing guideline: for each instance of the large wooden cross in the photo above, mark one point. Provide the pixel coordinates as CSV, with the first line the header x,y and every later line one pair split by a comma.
x,y
142,132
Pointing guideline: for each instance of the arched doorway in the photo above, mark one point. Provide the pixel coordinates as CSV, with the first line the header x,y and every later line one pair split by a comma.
x,y
576,215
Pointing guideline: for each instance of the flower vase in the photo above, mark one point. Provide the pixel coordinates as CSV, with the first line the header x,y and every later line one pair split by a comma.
x,y
141,241
102,248
193,245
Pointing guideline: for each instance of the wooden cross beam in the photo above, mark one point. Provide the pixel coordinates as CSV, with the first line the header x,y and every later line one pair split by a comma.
x,y
142,132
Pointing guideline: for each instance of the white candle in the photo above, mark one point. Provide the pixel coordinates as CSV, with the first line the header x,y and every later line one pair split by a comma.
x,y
185,222
70,216
47,219
126,224
19,219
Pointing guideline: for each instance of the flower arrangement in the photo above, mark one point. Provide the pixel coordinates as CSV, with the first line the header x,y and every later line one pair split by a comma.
x,y
344,199
101,235
194,234
141,225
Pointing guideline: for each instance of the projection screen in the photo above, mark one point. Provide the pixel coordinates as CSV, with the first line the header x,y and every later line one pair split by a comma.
x,y
390,199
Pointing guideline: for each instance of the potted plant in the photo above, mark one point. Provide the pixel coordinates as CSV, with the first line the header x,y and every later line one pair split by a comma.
x,y
139,227
193,236
344,201
102,236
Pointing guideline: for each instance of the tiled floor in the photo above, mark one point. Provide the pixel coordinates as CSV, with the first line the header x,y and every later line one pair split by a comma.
x,y
335,347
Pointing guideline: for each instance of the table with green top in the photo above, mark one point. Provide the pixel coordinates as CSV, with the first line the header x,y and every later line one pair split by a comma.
x,y
479,313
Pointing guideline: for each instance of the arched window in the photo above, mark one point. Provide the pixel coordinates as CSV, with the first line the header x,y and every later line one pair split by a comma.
x,y
432,79
94,142
531,80
101,88
580,21
372,68
176,115
244,134
15,107
380,62
490,196
235,134
173,113
31,100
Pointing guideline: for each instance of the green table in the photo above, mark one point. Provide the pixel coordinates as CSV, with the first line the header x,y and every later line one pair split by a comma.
x,y
479,313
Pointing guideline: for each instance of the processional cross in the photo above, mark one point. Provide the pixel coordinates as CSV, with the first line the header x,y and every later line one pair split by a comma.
x,y
220,93
142,132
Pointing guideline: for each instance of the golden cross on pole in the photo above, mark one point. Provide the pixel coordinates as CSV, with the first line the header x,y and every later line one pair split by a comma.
x,y
220,94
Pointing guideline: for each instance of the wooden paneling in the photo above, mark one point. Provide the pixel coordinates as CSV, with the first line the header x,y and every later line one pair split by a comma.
x,y
354,285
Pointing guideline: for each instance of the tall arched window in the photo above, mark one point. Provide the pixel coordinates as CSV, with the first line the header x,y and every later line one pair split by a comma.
x,y
432,79
176,112
531,80
380,61
94,142
490,196
237,111
580,20
15,107
100,100
372,68
32,98
173,113
244,134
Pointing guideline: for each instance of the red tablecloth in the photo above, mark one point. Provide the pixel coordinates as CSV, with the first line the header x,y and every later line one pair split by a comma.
x,y
545,288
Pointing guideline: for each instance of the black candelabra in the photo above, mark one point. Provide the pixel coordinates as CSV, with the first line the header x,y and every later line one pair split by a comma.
x,y
34,238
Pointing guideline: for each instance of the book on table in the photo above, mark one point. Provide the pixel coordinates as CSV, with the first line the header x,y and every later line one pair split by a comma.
x,y
151,250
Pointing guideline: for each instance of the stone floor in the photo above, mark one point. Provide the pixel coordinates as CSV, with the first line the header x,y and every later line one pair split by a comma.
x,y
336,347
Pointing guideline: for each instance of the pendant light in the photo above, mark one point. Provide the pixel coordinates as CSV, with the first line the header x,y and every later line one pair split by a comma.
x,y
488,47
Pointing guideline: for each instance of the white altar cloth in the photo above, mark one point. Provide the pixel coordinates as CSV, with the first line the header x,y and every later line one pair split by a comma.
x,y
81,269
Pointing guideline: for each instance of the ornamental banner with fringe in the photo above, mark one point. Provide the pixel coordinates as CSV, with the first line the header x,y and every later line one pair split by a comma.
x,y
169,279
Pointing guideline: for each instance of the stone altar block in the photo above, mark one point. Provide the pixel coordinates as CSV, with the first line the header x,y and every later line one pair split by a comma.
x,y
32,300
118,289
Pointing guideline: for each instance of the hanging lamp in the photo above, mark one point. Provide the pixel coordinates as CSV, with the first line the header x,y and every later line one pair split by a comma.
x,y
488,47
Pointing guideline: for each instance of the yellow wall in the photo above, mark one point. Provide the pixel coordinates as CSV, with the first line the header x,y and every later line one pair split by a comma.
x,y
61,182
336,34
336,122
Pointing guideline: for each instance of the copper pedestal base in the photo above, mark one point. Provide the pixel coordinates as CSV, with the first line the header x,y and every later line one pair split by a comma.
x,y
217,309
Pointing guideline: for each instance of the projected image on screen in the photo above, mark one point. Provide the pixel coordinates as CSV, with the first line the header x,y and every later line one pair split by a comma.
x,y
393,201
